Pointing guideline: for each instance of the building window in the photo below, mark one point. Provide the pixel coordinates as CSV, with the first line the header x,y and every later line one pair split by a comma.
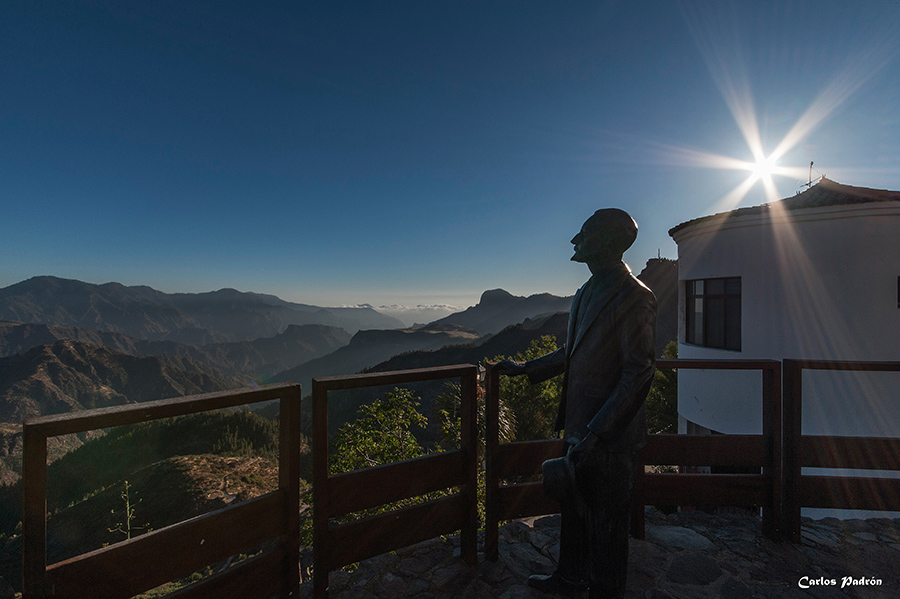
x,y
713,313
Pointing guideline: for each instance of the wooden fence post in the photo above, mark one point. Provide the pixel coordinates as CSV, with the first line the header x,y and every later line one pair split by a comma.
x,y
289,481
468,536
321,567
34,513
492,446
773,513
793,421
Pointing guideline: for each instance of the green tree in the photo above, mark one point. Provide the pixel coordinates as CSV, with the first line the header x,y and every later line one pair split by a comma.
x,y
534,407
662,400
381,434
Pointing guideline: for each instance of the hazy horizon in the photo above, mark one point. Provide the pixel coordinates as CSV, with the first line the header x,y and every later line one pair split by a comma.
x,y
414,312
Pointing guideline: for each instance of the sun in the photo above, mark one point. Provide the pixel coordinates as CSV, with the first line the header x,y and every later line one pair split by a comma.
x,y
764,168
727,60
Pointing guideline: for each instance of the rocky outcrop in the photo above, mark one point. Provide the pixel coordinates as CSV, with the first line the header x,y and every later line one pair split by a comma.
x,y
661,276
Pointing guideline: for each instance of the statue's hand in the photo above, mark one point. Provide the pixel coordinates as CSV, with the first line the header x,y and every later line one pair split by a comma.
x,y
582,448
509,368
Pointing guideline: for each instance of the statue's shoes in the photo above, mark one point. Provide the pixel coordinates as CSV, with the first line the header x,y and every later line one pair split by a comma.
x,y
556,585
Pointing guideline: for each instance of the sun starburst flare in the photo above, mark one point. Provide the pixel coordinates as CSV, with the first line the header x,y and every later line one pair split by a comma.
x,y
715,33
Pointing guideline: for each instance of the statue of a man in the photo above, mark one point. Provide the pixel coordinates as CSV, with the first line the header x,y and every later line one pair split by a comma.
x,y
608,362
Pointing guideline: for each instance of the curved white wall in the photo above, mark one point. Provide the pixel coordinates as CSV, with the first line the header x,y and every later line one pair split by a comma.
x,y
818,283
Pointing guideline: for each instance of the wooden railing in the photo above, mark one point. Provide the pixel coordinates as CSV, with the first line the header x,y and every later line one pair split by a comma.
x,y
338,544
819,451
181,549
505,461
147,561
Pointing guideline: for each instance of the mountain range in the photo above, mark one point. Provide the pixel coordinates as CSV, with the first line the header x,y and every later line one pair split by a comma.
x,y
198,318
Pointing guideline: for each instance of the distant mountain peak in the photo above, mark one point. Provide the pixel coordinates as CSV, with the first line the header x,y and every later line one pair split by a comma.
x,y
499,309
495,295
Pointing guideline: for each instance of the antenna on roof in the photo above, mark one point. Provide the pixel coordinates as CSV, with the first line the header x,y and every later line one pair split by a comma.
x,y
810,182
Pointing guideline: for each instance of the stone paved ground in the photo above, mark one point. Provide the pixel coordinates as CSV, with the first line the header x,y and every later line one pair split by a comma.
x,y
687,555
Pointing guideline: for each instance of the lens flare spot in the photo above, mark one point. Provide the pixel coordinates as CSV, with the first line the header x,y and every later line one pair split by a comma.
x,y
764,168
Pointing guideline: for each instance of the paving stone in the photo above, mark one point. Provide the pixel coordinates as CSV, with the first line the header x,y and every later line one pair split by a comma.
x,y
391,585
518,591
678,536
338,578
552,522
413,566
443,577
645,562
494,572
818,535
735,589
524,560
692,567
419,587
540,540
552,552
515,531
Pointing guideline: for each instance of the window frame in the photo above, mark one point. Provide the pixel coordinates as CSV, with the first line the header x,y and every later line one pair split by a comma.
x,y
719,310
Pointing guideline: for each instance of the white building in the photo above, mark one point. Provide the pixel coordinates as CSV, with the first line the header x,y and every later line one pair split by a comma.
x,y
814,276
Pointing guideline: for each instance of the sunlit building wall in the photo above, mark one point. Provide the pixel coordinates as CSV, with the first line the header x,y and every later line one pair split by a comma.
x,y
818,277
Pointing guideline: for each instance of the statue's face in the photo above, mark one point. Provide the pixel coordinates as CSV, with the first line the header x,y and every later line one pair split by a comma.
x,y
591,242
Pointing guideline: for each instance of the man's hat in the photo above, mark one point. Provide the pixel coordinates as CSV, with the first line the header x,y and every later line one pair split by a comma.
x,y
559,478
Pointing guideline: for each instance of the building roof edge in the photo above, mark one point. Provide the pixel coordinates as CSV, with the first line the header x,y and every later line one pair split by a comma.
x,y
824,193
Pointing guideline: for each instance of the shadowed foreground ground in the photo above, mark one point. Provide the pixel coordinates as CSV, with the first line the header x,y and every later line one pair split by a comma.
x,y
689,555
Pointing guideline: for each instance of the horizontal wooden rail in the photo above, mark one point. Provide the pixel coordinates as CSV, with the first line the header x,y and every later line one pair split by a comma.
x,y
175,551
394,377
523,500
850,492
841,365
254,577
393,482
88,420
867,453
524,458
705,489
691,364
706,450
358,540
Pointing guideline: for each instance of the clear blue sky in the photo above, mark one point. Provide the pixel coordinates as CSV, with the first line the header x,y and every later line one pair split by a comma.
x,y
413,152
